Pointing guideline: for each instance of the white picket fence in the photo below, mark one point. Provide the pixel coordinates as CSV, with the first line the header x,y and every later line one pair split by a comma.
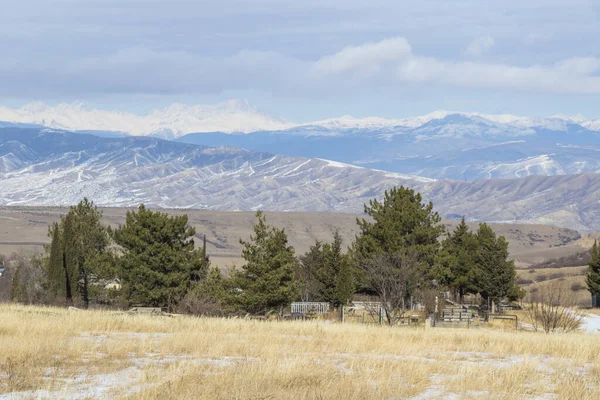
x,y
304,307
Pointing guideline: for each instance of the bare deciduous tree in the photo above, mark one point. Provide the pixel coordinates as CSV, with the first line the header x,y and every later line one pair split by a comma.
x,y
552,309
394,277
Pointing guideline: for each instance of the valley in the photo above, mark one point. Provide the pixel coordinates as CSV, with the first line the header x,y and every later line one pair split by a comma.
x,y
27,227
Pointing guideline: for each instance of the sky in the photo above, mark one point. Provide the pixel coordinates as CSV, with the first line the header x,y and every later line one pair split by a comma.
x,y
306,60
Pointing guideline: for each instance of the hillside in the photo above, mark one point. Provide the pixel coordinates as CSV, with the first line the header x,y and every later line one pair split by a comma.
x,y
58,168
27,227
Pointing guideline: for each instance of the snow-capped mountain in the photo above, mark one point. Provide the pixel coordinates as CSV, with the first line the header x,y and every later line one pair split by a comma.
x,y
238,116
173,121
593,125
53,167
455,147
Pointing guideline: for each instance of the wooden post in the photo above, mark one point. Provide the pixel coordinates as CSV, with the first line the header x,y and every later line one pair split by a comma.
x,y
342,314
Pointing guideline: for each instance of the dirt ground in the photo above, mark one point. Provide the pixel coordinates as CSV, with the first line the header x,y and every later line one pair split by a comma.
x,y
25,228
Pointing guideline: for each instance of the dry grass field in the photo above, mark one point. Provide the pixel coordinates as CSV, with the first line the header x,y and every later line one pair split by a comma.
x,y
51,353
27,227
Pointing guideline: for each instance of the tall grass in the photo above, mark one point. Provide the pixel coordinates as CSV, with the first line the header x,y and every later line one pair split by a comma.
x,y
202,358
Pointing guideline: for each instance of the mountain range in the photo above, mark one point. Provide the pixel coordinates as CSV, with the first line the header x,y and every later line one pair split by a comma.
x,y
440,145
55,167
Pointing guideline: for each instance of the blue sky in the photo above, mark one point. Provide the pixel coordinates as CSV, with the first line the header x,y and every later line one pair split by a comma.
x,y
306,60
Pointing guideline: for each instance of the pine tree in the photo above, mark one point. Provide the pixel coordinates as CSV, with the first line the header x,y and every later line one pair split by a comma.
x,y
266,282
310,263
18,290
345,286
55,269
335,275
158,258
495,274
402,224
462,246
71,253
593,275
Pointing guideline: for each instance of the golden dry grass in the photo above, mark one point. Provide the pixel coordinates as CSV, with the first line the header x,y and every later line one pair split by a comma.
x,y
54,353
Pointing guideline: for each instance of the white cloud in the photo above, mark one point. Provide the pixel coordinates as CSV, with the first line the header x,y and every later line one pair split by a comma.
x,y
367,58
480,46
390,62
572,75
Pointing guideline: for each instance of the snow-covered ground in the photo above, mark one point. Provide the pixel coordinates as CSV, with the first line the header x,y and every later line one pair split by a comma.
x,y
591,323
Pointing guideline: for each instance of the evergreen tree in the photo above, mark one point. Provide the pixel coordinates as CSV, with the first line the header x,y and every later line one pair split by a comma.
x,y
158,261
55,269
70,253
461,247
335,275
90,243
309,285
401,223
266,282
77,254
593,275
495,274
345,285
18,290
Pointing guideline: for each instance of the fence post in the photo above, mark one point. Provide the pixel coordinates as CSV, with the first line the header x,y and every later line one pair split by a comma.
x,y
380,316
342,314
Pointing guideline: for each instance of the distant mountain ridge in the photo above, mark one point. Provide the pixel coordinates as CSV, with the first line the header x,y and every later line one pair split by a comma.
x,y
231,116
439,145
454,147
54,168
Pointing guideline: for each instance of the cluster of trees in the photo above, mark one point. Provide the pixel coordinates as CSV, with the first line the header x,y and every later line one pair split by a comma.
x,y
150,260
401,253
593,274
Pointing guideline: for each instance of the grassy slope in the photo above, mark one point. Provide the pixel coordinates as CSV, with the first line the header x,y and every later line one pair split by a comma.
x,y
110,355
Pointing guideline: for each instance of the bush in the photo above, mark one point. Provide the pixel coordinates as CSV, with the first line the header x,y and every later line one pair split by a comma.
x,y
557,275
551,309
574,260
208,298
521,281
541,278
576,286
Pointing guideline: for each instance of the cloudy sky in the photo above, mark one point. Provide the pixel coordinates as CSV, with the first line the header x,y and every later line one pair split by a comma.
x,y
309,59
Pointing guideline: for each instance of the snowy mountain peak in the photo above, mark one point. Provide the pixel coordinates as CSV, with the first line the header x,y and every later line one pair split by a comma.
x,y
239,116
173,121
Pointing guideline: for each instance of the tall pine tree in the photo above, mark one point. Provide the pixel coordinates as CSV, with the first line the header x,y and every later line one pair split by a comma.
x,y
18,290
335,275
495,273
593,275
401,223
310,263
461,245
266,282
158,261
55,268
77,253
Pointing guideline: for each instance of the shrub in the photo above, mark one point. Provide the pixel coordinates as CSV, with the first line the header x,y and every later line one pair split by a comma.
x,y
541,278
521,281
551,309
576,286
